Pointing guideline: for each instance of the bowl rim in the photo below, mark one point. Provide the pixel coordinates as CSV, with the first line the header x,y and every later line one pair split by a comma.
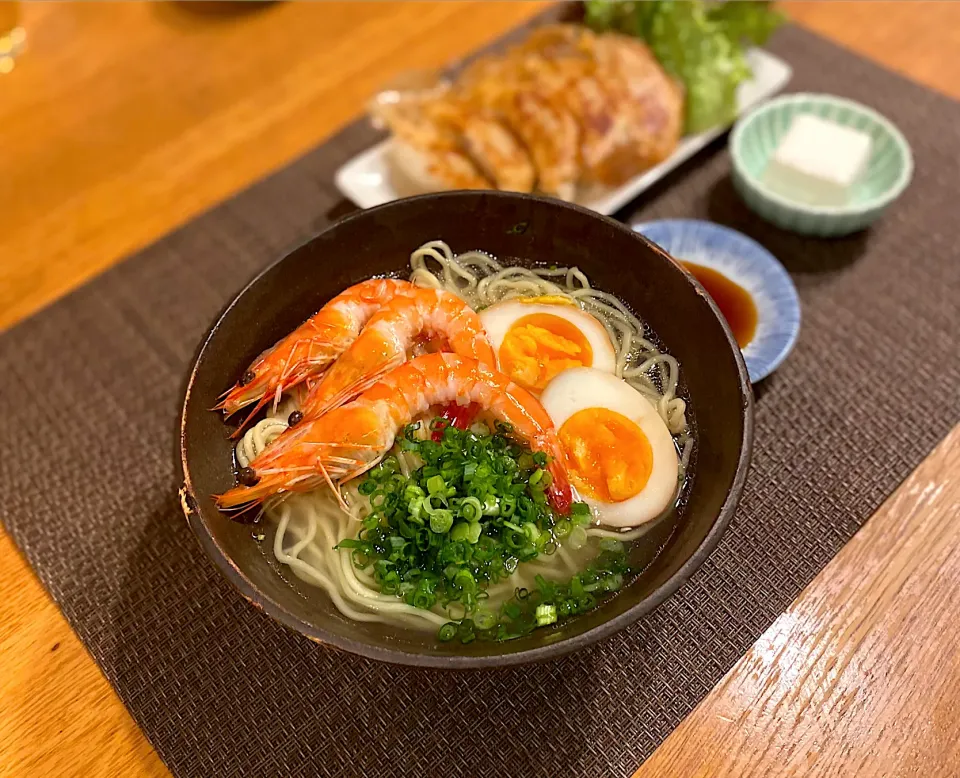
x,y
737,141
400,655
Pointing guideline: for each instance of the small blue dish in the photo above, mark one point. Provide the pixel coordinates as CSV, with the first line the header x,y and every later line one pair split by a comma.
x,y
747,263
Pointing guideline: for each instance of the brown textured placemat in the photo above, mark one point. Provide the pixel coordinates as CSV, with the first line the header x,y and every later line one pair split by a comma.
x,y
90,395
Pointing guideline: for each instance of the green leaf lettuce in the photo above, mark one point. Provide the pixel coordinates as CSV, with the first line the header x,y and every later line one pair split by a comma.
x,y
701,44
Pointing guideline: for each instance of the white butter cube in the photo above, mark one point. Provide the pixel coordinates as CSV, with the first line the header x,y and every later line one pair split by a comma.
x,y
818,162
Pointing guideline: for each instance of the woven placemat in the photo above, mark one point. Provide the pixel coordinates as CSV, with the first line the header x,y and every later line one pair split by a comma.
x,y
91,389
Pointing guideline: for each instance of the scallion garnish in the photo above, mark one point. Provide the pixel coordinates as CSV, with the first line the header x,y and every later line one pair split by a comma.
x,y
466,519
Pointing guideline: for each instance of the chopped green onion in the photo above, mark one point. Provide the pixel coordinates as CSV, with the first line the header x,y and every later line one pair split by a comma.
x,y
484,620
467,519
576,586
423,599
423,538
447,632
474,529
514,539
546,614
578,538
579,510
614,582
412,492
466,631
428,506
465,580
471,509
415,508
611,545
441,521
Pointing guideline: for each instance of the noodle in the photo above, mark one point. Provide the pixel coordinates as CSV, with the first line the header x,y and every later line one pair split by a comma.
x,y
301,518
261,435
309,526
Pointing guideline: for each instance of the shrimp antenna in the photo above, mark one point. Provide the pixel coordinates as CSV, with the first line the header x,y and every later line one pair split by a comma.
x,y
249,417
336,489
239,513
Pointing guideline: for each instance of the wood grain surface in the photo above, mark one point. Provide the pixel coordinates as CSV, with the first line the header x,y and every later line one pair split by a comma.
x,y
122,122
861,676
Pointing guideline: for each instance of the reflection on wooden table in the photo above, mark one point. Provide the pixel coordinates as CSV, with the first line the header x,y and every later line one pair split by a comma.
x,y
12,35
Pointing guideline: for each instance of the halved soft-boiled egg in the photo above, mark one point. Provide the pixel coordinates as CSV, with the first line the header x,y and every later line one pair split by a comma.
x,y
620,455
535,338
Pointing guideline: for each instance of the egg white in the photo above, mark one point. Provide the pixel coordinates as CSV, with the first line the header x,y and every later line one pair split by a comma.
x,y
498,319
580,388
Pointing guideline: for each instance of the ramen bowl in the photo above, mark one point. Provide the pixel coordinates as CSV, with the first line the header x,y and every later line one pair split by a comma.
x,y
515,228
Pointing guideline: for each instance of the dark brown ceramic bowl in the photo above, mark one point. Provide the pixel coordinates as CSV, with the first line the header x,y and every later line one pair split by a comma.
x,y
378,242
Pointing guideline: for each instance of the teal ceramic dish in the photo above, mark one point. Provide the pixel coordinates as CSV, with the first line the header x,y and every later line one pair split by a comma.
x,y
754,140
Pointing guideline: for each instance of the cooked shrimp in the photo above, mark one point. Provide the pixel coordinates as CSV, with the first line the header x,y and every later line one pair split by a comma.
x,y
390,334
310,348
351,439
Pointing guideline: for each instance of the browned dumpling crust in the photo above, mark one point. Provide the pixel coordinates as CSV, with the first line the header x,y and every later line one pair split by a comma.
x,y
565,108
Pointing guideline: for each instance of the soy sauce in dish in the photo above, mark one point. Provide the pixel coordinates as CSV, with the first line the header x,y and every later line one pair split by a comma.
x,y
734,302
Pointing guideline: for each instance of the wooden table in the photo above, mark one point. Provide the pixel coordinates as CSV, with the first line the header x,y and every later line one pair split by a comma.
x,y
121,123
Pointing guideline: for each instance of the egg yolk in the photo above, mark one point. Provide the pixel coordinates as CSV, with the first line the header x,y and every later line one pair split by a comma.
x,y
538,346
608,456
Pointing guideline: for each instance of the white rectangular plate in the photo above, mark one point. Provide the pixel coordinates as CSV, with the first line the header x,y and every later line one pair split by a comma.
x,y
368,179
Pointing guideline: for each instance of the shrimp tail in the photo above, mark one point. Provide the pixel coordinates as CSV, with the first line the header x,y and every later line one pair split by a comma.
x,y
456,415
559,493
